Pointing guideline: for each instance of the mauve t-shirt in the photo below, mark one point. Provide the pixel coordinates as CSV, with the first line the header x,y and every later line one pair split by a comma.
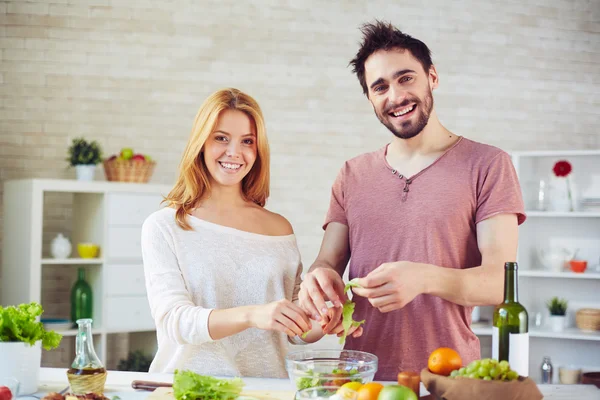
x,y
431,220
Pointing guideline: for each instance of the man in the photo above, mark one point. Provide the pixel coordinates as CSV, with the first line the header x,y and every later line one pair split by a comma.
x,y
427,222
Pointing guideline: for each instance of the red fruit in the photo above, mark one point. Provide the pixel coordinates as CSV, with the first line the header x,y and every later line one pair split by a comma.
x,y
139,157
113,157
5,393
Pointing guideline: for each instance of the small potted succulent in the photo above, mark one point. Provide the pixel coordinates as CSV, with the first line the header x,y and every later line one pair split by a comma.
x,y
84,156
558,310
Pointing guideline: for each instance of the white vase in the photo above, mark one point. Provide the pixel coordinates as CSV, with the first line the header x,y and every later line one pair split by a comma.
x,y
85,172
21,362
60,247
557,323
559,196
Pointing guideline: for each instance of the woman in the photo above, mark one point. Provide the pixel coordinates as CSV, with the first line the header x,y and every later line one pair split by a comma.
x,y
216,262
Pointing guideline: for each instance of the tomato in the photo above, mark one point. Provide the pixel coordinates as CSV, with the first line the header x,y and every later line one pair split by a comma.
x,y
396,392
5,393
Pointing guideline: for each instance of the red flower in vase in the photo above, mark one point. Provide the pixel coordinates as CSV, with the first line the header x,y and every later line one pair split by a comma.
x,y
562,168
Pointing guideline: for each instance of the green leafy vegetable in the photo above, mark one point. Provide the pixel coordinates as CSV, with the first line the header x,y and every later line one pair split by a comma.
x,y
348,310
337,377
347,321
188,385
20,324
351,284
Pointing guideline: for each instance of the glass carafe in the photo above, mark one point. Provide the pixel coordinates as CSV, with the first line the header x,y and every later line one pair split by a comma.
x,y
87,373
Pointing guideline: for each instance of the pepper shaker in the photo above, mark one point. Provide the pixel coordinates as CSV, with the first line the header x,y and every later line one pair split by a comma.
x,y
547,370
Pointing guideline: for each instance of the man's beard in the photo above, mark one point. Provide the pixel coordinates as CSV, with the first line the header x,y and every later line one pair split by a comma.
x,y
409,129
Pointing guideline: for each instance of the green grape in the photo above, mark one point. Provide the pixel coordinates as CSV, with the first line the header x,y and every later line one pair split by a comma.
x,y
486,362
494,372
462,371
487,378
483,371
512,375
454,373
473,375
504,365
473,366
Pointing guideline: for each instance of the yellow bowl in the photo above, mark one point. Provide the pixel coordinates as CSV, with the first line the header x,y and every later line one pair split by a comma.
x,y
88,250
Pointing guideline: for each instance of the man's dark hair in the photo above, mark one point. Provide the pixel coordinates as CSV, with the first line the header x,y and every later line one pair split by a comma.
x,y
384,36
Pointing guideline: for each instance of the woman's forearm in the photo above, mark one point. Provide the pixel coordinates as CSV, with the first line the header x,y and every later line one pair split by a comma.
x,y
227,322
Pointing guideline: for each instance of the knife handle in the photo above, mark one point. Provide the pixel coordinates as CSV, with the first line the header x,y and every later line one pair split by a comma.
x,y
148,385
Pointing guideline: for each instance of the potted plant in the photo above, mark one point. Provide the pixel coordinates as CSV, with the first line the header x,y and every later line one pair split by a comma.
x,y
84,156
22,337
558,310
136,361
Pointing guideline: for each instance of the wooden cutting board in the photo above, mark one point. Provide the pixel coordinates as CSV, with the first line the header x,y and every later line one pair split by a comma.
x,y
166,393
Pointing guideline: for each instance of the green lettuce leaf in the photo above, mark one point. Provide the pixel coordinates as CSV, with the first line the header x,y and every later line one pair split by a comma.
x,y
347,321
20,324
351,284
188,385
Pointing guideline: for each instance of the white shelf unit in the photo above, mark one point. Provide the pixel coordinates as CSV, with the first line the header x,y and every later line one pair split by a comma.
x,y
107,213
551,229
569,333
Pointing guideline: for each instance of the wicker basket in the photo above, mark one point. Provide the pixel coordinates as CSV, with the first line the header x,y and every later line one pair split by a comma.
x,y
128,170
83,384
588,319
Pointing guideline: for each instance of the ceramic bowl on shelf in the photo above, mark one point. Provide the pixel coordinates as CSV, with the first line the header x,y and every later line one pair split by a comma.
x,y
578,266
56,324
88,250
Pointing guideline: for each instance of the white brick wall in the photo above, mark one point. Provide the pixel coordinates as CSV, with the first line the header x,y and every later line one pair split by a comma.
x,y
516,74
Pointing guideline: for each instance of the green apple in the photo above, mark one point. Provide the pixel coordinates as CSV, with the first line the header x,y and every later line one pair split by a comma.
x,y
396,392
126,153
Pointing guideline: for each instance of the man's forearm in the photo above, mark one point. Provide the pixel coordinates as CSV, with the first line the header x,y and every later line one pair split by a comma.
x,y
476,286
325,264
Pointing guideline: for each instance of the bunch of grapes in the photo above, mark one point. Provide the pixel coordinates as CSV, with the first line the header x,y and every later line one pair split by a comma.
x,y
487,369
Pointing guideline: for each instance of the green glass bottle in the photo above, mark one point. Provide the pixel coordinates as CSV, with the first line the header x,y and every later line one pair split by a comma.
x,y
81,298
510,331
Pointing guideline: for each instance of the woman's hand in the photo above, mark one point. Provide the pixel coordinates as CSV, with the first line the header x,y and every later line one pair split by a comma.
x,y
334,314
282,315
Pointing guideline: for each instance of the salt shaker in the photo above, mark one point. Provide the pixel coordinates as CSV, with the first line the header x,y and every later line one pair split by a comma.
x,y
546,370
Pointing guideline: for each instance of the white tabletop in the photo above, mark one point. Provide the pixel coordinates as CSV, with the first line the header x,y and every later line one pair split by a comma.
x,y
118,383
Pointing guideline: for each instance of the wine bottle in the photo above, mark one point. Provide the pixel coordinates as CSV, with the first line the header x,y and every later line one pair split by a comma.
x,y
81,298
510,333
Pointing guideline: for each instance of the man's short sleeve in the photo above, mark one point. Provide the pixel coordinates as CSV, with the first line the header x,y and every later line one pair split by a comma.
x,y
499,191
337,209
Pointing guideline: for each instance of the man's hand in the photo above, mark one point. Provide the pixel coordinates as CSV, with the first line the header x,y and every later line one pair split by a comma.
x,y
393,285
319,286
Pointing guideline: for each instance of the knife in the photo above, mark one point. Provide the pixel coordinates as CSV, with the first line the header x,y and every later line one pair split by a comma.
x,y
148,385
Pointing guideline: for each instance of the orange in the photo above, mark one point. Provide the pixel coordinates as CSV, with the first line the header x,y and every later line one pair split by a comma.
x,y
444,360
369,391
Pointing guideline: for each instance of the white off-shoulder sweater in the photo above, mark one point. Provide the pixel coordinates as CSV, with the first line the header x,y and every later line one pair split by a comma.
x,y
190,273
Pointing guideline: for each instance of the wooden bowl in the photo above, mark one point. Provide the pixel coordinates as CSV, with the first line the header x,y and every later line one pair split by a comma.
x,y
591,378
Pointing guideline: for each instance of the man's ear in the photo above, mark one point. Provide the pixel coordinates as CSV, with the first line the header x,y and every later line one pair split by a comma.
x,y
434,80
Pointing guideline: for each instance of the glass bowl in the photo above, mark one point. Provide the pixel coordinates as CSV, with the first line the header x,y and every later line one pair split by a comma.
x,y
326,393
312,368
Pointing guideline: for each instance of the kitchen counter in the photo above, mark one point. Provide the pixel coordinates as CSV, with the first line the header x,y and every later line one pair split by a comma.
x,y
118,383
